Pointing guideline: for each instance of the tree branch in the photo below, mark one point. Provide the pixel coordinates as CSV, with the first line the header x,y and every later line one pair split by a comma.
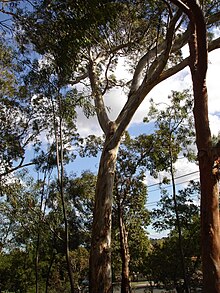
x,y
16,168
98,98
213,45
178,44
9,13
79,78
106,74
148,83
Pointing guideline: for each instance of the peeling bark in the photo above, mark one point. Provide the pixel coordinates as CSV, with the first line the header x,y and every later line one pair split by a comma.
x,y
100,257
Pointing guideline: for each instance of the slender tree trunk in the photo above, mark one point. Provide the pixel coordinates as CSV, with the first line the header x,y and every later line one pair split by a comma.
x,y
67,250
125,257
180,242
41,214
48,272
210,224
60,174
66,226
100,255
37,262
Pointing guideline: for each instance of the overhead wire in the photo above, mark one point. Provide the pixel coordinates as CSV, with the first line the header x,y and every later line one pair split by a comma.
x,y
165,187
152,203
168,186
188,174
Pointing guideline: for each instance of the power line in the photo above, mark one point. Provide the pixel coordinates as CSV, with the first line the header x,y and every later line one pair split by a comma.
x,y
166,187
152,203
155,184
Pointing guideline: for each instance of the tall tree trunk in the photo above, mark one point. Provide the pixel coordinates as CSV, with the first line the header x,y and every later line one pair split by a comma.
x,y
180,242
100,256
41,215
62,195
210,224
58,131
125,257
37,262
49,271
67,243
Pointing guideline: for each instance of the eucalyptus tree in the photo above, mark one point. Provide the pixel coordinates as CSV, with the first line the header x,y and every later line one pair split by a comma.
x,y
164,217
163,263
210,221
55,110
80,192
79,200
32,223
85,41
22,227
16,271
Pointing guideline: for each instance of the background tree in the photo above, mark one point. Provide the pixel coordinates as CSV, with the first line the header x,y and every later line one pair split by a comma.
x,y
79,197
35,231
174,136
80,193
129,205
18,127
41,87
164,217
23,213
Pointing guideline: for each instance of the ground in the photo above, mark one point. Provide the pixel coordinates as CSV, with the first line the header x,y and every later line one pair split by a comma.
x,y
142,288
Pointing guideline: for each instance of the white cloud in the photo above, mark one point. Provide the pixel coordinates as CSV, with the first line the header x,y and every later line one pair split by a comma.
x,y
87,126
115,100
214,121
161,92
185,171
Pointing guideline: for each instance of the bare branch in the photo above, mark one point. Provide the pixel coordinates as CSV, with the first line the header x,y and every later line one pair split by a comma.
x,y
213,18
